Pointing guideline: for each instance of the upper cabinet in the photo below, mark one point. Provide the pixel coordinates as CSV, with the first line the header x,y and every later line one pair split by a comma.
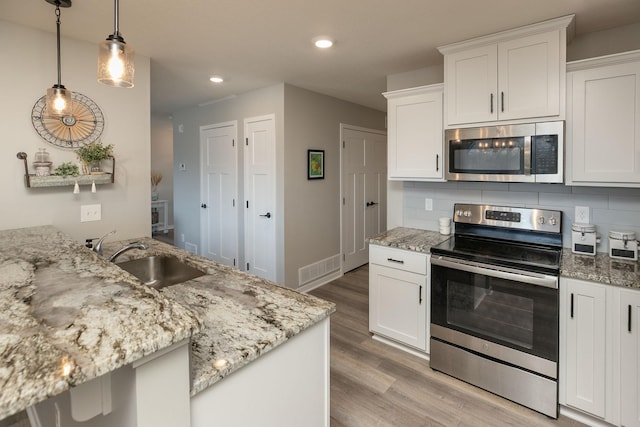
x,y
415,138
513,75
603,121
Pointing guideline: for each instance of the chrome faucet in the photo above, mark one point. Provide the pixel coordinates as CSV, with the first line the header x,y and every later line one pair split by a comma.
x,y
98,247
133,245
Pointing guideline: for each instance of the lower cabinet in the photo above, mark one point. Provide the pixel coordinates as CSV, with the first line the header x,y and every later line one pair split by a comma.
x,y
585,364
600,351
399,296
629,358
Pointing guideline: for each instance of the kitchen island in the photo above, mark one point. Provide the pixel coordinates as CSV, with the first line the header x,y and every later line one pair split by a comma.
x,y
69,317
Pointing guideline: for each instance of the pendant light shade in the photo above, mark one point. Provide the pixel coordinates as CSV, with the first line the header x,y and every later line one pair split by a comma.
x,y
116,58
58,102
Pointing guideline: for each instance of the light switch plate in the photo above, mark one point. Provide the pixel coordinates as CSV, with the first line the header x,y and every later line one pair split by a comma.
x,y
428,204
90,213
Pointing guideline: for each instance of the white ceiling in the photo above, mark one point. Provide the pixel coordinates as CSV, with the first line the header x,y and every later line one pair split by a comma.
x,y
258,43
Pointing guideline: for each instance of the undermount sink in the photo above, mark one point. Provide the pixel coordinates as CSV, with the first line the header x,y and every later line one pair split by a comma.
x,y
160,271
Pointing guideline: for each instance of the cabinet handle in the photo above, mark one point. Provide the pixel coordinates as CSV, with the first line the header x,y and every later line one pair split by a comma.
x,y
420,296
629,318
491,103
399,261
437,162
572,305
502,101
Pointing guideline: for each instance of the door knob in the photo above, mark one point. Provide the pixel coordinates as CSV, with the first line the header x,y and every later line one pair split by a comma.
x,y
371,204
267,215
204,206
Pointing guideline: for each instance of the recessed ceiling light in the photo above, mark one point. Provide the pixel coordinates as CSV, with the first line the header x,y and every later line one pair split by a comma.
x,y
323,42
216,79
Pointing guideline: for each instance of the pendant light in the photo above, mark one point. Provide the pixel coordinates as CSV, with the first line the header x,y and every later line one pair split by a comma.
x,y
115,58
58,100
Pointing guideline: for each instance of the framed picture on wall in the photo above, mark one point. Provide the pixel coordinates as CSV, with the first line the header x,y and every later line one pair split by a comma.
x,y
315,164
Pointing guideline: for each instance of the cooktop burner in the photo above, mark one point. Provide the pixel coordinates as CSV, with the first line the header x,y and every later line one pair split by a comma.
x,y
522,238
505,253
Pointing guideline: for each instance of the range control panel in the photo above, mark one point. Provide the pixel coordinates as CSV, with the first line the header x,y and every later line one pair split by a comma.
x,y
509,217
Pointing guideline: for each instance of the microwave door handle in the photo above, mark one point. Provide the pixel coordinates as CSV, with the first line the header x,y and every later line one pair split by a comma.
x,y
527,155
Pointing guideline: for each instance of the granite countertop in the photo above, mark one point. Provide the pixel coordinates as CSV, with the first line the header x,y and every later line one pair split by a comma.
x,y
68,316
244,316
411,239
599,268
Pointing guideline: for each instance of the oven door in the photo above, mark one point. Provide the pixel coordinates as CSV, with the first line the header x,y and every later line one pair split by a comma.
x,y
506,314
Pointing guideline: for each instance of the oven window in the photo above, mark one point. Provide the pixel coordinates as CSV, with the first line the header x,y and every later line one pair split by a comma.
x,y
491,312
507,312
495,156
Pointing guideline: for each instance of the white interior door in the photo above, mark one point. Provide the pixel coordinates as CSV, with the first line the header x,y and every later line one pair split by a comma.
x,y
364,192
260,196
219,169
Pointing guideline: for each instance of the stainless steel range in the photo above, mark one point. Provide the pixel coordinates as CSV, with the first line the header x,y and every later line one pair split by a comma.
x,y
494,302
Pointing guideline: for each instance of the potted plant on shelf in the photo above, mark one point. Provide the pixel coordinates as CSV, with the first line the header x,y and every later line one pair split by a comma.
x,y
92,154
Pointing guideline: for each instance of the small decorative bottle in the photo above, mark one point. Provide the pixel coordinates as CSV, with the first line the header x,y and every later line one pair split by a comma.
x,y
42,163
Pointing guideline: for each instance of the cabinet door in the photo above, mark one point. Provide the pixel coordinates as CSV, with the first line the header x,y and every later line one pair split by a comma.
x,y
604,116
398,305
529,77
471,85
630,358
415,138
584,316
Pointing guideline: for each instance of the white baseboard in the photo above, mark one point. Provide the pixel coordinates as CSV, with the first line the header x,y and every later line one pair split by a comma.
x,y
401,347
580,416
320,282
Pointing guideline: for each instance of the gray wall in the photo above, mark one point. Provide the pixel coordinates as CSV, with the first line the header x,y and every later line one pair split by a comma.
x,y
28,69
312,207
186,149
309,230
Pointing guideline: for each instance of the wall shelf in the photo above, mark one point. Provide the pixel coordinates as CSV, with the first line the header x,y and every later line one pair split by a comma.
x,y
36,181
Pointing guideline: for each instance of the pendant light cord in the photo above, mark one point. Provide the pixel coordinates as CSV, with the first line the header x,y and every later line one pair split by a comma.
x,y
58,41
116,16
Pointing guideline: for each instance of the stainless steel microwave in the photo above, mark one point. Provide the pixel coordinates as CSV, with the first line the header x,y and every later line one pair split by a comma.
x,y
531,152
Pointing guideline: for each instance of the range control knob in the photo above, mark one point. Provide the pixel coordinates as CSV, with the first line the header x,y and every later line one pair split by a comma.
x,y
553,221
467,213
541,220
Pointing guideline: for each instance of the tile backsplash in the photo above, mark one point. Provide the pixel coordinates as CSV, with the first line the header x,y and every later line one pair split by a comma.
x,y
610,208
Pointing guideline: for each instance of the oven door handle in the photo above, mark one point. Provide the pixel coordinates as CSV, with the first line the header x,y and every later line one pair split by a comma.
x,y
501,272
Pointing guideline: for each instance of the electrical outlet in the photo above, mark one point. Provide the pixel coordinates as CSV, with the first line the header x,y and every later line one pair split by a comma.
x,y
428,204
90,213
582,214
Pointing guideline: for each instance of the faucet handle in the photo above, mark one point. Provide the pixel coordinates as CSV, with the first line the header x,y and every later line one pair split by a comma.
x,y
98,247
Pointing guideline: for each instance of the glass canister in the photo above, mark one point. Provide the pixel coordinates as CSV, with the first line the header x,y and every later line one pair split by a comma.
x,y
42,163
623,245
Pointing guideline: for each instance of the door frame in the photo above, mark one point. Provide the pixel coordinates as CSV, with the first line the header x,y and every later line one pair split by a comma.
x,y
231,123
344,126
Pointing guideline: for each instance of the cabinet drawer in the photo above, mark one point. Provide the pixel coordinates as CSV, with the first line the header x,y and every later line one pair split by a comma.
x,y
401,259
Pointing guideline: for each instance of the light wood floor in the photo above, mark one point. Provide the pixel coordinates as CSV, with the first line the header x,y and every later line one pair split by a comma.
x,y
374,384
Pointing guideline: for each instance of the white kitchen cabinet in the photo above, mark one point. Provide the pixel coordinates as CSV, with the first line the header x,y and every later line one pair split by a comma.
x,y
629,358
512,75
603,121
583,312
399,296
415,138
